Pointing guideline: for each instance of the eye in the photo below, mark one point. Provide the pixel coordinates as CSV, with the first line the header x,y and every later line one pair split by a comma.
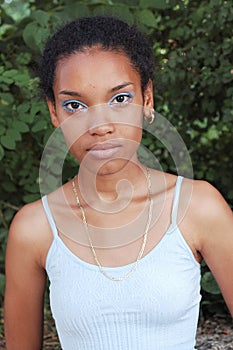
x,y
74,106
121,99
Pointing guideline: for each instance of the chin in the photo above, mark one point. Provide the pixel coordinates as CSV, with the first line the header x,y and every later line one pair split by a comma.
x,y
110,167
113,167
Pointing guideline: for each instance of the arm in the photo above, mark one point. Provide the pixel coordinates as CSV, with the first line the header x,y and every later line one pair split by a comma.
x,y
216,237
25,284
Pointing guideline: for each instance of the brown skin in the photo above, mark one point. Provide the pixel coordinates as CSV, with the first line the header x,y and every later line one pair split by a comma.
x,y
204,217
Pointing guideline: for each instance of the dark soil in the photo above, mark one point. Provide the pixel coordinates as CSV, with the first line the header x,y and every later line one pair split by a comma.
x,y
215,333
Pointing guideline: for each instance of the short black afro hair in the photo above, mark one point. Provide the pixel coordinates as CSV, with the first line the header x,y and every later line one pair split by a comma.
x,y
110,33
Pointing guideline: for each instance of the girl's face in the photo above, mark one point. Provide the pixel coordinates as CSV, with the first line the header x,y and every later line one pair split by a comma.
x,y
99,106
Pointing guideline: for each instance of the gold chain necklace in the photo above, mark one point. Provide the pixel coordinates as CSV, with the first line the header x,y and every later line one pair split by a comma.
x,y
134,267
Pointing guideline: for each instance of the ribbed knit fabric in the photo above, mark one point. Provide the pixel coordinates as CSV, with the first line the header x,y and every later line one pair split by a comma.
x,y
156,308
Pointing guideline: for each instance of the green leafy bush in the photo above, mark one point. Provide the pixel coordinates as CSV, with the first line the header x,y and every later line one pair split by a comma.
x,y
192,41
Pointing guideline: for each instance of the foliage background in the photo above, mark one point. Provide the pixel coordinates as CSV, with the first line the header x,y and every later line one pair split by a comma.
x,y
193,43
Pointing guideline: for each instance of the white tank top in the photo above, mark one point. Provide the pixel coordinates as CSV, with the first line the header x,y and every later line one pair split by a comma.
x,y
156,308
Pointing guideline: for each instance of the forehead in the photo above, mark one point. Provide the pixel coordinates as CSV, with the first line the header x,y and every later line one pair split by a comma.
x,y
94,67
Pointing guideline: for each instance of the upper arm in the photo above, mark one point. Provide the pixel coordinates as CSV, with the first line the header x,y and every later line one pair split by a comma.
x,y
25,285
216,239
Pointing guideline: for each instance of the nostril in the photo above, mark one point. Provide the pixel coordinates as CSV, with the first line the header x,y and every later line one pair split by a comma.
x,y
101,129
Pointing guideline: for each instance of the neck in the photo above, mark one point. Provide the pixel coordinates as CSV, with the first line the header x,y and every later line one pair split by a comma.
x,y
111,187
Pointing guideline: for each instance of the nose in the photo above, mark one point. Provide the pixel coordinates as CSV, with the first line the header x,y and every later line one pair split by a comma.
x,y
100,122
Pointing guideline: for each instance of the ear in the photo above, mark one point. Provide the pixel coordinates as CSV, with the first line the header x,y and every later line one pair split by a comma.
x,y
149,96
53,113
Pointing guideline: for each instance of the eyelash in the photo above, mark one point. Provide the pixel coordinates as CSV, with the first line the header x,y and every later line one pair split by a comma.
x,y
123,94
65,105
84,107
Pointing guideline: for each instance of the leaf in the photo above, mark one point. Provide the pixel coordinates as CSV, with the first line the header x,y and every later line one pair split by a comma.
x,y
2,122
32,188
8,142
29,35
21,126
148,18
49,184
41,17
157,4
2,283
10,73
118,10
9,186
17,10
22,108
4,29
26,118
209,284
212,133
74,8
14,134
23,114
23,58
7,98
1,152
28,198
40,37
37,108
39,125
143,153
5,79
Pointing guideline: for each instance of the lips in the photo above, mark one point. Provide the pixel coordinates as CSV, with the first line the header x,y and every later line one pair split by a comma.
x,y
103,150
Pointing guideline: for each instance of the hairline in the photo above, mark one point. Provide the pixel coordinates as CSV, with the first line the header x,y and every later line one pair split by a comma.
x,y
96,47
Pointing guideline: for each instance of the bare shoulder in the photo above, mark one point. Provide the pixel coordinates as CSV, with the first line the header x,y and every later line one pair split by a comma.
x,y
208,216
207,202
31,217
28,212
30,230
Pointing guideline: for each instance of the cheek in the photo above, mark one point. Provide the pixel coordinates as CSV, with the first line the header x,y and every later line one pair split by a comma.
x,y
77,149
77,153
131,139
134,134
133,129
73,128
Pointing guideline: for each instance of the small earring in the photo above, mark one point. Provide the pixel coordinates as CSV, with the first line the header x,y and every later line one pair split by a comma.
x,y
150,118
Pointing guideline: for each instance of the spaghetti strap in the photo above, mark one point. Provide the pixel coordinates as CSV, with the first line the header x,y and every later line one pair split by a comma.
x,y
49,216
176,200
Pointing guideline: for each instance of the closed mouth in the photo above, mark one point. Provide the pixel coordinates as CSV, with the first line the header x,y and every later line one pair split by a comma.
x,y
103,150
103,146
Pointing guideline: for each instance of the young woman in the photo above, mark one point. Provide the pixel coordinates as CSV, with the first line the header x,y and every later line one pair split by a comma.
x,y
121,244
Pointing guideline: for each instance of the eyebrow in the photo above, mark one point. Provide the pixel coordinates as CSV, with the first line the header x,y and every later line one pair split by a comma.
x,y
121,86
114,89
70,93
